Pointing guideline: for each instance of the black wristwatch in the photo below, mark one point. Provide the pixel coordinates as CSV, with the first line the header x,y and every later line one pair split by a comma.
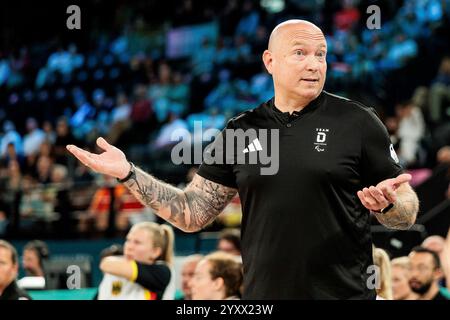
x,y
384,210
132,171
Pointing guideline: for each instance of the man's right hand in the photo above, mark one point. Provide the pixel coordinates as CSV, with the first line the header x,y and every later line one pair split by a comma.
x,y
112,162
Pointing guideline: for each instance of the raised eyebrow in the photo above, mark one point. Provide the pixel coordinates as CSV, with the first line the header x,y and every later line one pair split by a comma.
x,y
299,43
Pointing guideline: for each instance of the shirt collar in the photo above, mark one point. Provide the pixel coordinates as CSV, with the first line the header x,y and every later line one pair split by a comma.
x,y
287,117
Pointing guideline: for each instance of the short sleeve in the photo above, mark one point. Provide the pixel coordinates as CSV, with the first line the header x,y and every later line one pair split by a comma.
x,y
153,277
379,160
217,165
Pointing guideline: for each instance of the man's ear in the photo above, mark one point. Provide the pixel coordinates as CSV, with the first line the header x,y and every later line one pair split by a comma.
x,y
267,59
438,274
218,283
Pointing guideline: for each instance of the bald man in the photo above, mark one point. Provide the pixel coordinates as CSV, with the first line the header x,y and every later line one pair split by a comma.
x,y
306,226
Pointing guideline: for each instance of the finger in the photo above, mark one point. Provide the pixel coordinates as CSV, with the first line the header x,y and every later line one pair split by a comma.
x,y
102,143
389,193
362,198
404,177
369,198
379,196
82,155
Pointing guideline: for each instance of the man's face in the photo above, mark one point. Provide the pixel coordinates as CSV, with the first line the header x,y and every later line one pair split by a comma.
x,y
297,61
8,270
423,272
30,261
187,272
228,247
400,283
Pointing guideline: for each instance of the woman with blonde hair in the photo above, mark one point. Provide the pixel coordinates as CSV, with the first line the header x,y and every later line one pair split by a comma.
x,y
144,271
384,281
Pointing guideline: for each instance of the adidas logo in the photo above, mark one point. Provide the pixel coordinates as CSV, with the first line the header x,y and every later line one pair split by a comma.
x,y
253,146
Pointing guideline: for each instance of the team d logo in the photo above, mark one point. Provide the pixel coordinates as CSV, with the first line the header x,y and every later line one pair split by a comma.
x,y
321,139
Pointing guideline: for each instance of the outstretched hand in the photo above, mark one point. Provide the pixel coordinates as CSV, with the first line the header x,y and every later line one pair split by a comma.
x,y
379,197
112,161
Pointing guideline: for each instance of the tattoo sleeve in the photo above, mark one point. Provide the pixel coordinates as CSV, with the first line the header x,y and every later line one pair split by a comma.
x,y
190,209
403,215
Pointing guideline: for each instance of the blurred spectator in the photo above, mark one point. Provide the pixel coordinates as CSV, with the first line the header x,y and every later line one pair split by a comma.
x,y
218,276
12,155
411,130
65,61
44,166
82,120
122,110
438,244
100,207
10,191
187,273
439,96
249,21
144,272
35,255
175,125
9,268
202,59
10,136
59,192
425,274
64,137
230,242
49,133
401,51
142,115
34,205
401,273
347,17
33,139
384,281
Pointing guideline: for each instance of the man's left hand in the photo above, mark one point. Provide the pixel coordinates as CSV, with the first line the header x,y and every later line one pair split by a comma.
x,y
379,197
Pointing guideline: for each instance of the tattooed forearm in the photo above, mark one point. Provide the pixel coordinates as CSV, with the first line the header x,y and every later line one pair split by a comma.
x,y
189,210
206,200
403,215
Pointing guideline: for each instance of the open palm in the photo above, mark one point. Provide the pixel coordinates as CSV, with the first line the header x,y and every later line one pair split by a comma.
x,y
112,161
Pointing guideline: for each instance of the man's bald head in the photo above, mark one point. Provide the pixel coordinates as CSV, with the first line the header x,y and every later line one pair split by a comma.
x,y
307,29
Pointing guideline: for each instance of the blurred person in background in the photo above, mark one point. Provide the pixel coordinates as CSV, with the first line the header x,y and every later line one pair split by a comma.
x,y
144,271
218,276
9,268
439,95
441,246
411,130
425,274
187,273
35,255
384,282
401,273
230,242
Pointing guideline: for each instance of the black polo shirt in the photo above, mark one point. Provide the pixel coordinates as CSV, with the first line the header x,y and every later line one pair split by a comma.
x,y
305,234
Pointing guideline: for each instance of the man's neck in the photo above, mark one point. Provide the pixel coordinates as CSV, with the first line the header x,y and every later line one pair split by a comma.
x,y
430,294
287,104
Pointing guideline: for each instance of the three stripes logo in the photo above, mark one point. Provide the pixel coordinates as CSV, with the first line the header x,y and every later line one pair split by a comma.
x,y
255,145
